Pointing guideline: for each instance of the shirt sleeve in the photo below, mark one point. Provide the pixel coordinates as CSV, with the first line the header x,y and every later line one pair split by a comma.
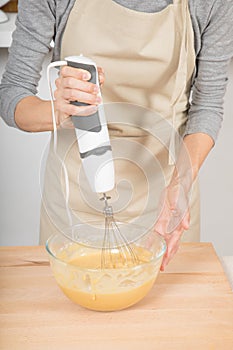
x,y
206,110
35,28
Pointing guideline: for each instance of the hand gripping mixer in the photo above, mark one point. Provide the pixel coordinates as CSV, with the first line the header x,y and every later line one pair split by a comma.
x,y
96,155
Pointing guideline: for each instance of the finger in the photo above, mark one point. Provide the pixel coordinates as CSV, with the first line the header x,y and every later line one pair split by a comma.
x,y
73,110
163,217
168,257
186,221
66,123
178,221
160,226
162,222
58,82
81,96
164,261
101,75
80,74
72,83
151,239
173,242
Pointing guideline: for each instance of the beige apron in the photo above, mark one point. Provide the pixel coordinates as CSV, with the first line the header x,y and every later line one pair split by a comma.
x,y
148,60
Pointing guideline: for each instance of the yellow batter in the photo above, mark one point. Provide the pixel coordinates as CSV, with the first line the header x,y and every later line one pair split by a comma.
x,y
107,289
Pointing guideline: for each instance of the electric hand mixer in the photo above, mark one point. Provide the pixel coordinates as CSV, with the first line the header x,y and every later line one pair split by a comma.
x,y
96,155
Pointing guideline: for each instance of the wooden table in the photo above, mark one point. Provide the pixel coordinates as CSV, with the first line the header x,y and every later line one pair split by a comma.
x,y
189,307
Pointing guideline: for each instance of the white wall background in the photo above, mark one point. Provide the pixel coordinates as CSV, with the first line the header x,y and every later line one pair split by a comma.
x,y
216,182
20,155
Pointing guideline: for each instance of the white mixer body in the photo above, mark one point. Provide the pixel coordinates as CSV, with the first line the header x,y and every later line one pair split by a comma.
x,y
93,137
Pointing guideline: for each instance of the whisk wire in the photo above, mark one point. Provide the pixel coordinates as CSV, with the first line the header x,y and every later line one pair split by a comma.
x,y
128,248
116,249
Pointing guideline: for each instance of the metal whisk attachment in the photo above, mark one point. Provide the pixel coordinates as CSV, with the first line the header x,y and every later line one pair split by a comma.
x,y
117,251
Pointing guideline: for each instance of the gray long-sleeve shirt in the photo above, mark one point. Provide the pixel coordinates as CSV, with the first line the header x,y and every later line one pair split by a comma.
x,y
38,22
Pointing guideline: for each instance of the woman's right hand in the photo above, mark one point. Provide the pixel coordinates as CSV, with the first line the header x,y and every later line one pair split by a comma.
x,y
73,85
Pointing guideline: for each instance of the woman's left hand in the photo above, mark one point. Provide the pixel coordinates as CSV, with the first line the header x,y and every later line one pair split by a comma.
x,y
174,218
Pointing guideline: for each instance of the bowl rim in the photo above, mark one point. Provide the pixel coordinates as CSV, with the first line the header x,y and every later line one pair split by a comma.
x,y
162,252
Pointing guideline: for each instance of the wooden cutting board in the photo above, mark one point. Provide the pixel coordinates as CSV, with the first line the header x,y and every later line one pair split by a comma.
x,y
189,307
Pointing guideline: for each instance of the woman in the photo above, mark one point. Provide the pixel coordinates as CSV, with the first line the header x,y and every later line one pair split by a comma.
x,y
154,54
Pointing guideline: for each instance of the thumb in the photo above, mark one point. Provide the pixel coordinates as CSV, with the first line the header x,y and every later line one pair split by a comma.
x,y
186,221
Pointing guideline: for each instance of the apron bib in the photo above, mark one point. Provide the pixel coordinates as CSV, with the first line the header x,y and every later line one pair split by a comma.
x,y
148,59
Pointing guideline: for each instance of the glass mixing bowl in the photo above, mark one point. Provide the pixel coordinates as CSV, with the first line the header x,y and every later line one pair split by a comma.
x,y
78,272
